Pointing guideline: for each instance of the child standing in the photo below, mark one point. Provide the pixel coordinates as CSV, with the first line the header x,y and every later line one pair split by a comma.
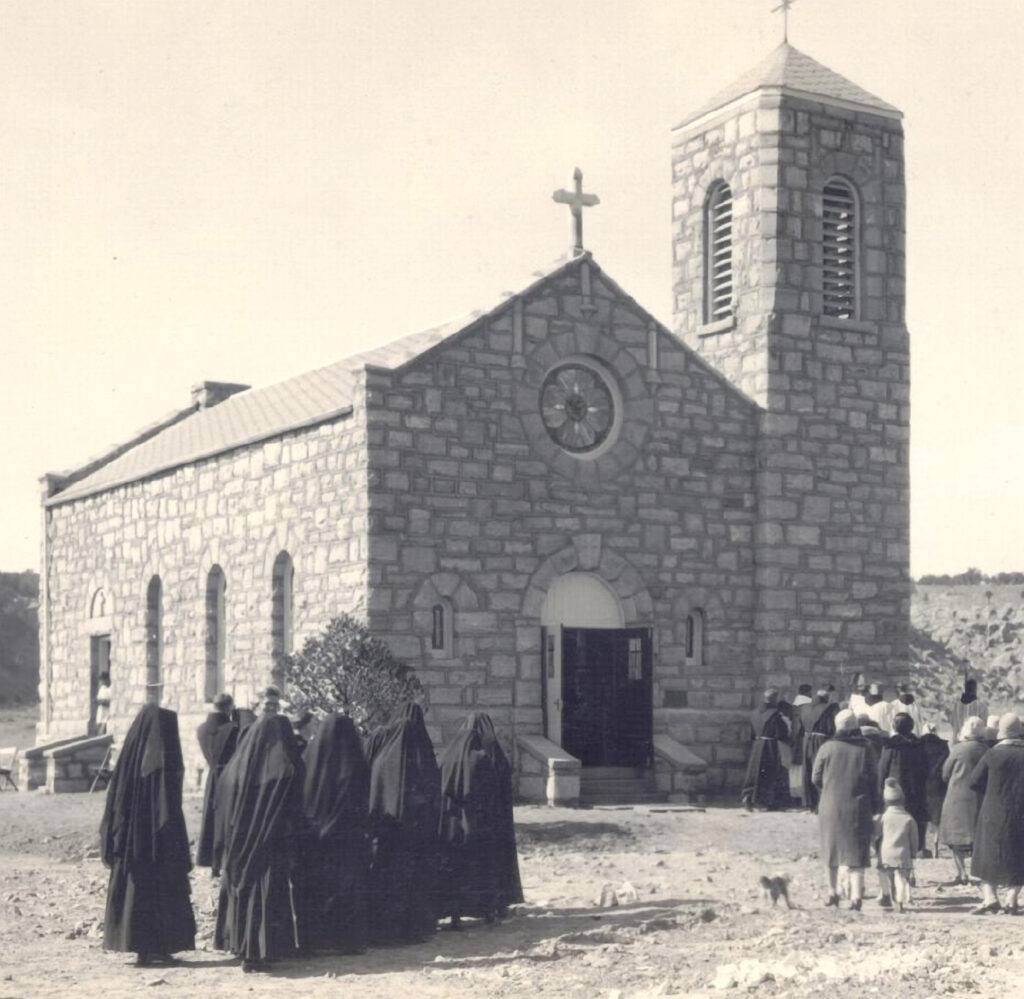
x,y
899,844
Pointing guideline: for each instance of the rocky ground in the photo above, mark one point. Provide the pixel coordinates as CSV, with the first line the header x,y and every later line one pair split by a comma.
x,y
690,920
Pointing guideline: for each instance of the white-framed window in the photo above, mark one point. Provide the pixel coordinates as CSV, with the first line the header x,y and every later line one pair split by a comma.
x,y
839,249
718,271
693,638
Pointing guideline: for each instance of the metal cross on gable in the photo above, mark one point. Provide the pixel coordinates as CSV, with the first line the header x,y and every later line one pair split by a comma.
x,y
784,6
577,201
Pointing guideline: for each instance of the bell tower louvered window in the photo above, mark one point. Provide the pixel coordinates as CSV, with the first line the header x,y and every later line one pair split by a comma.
x,y
718,247
839,250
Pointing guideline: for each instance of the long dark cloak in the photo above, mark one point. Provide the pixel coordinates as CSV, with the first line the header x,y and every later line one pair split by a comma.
x,y
903,759
766,782
818,721
217,736
405,792
257,825
335,874
479,863
144,842
936,752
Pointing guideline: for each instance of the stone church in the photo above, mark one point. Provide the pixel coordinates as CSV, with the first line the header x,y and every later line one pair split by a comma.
x,y
608,534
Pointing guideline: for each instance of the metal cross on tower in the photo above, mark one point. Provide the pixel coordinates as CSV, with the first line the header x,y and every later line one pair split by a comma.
x,y
577,201
784,6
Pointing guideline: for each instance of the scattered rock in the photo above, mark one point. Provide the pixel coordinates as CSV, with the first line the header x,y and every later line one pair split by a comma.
x,y
627,893
608,899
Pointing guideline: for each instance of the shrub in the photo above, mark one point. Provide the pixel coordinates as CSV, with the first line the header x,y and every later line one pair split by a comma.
x,y
346,669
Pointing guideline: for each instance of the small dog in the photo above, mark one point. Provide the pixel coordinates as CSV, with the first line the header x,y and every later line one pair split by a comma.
x,y
774,887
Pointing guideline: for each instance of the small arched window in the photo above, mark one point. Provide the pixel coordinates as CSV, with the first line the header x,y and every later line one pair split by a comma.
x,y
718,291
839,250
694,638
154,639
281,625
441,632
216,586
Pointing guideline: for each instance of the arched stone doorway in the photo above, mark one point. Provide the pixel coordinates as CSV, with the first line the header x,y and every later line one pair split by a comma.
x,y
597,674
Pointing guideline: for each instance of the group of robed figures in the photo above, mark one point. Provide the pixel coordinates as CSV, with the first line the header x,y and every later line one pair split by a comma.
x,y
329,846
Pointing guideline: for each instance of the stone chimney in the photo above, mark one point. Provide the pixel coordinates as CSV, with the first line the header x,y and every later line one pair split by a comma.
x,y
208,394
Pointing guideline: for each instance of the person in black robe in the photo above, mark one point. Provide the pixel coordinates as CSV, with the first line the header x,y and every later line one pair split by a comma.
x,y
144,842
936,752
336,863
903,758
405,793
766,783
257,830
217,736
818,724
479,861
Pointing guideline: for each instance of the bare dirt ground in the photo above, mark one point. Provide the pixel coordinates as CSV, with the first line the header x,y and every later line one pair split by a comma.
x,y
699,926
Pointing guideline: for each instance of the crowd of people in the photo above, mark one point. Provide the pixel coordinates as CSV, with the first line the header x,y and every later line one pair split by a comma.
x,y
322,841
881,780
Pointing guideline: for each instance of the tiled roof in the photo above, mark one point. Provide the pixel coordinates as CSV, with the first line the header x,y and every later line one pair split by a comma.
x,y
790,68
257,414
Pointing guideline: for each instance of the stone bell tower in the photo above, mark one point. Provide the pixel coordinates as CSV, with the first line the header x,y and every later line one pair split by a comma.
x,y
789,278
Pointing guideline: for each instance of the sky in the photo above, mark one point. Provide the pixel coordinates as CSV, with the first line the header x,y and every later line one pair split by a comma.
x,y
233,191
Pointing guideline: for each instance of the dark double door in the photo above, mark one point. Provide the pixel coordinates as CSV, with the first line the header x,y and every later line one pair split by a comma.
x,y
607,711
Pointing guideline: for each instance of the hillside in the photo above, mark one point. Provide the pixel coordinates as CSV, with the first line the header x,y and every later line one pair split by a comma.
x,y
19,641
976,627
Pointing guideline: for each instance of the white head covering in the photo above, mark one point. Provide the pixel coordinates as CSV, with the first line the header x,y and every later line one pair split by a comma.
x,y
1010,726
972,728
846,721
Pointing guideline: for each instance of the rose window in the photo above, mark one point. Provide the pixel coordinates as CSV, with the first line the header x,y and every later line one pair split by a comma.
x,y
577,408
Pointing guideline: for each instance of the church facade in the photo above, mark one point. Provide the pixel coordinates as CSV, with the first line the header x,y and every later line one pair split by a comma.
x,y
596,529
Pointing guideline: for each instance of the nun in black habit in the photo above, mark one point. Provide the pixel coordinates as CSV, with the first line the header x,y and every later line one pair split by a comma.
x,y
405,793
336,864
144,842
258,825
479,863
218,737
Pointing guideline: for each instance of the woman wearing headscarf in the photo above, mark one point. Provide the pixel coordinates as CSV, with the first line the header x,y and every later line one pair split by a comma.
x,y
405,792
960,809
144,843
258,822
479,862
336,864
998,857
845,774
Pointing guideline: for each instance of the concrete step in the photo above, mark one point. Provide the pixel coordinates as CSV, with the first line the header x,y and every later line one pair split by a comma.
x,y
618,786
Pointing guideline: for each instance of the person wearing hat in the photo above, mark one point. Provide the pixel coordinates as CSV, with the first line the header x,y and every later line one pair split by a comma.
x,y
844,772
998,857
960,808
766,783
903,759
897,832
967,704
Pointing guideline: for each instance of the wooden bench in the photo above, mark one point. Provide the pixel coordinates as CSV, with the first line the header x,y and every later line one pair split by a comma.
x,y
105,771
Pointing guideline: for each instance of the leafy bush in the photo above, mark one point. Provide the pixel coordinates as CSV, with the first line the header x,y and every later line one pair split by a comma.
x,y
346,669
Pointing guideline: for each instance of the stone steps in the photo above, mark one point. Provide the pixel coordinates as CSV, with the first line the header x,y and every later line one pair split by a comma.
x,y
619,786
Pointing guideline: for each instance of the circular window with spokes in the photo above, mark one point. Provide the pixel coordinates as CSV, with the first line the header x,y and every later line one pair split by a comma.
x,y
578,406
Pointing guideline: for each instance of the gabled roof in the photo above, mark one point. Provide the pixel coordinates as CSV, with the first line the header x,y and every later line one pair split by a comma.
x,y
790,69
258,414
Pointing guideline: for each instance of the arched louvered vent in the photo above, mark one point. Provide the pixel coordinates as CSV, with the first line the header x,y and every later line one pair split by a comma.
x,y
719,254
839,250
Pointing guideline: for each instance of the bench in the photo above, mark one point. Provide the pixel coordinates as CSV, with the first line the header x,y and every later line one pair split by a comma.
x,y
8,764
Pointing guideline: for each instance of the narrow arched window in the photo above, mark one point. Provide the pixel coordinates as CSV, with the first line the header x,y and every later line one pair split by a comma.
x,y
718,291
154,640
216,587
281,625
441,628
694,638
839,250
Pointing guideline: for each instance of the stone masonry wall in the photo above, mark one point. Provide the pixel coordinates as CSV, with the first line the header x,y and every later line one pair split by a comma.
x,y
302,492
473,502
833,484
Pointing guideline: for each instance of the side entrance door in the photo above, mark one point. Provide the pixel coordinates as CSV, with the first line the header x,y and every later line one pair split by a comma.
x,y
606,695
